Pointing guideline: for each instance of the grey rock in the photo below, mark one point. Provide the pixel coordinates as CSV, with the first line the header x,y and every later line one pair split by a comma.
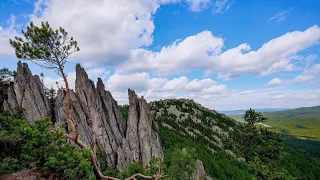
x,y
96,115
199,172
98,120
141,134
27,92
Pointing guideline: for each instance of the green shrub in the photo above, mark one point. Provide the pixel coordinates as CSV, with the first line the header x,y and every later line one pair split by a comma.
x,y
37,147
9,165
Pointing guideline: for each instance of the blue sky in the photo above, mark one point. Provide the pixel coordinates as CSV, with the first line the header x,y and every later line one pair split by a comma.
x,y
225,54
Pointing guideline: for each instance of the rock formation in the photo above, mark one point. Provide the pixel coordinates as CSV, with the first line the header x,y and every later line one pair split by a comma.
x,y
27,92
141,142
96,114
98,119
199,172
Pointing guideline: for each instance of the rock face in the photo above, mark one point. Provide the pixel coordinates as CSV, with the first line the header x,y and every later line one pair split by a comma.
x,y
141,142
96,114
27,92
199,172
98,119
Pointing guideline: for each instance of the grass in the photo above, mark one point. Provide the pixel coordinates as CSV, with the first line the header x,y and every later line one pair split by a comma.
x,y
301,128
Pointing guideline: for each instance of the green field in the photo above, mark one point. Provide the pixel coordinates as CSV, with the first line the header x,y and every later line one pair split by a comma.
x,y
302,123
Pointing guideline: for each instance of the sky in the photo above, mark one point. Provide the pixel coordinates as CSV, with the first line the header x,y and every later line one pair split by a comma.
x,y
224,54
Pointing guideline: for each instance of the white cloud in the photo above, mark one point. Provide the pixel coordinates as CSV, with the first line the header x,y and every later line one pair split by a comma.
x,y
118,32
246,92
215,89
5,34
137,81
309,59
314,70
105,30
280,16
304,78
197,85
308,75
198,5
50,82
176,84
190,53
203,51
93,74
220,6
169,1
275,81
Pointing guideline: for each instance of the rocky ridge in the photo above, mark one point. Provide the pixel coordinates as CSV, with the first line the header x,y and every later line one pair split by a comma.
x,y
97,116
188,118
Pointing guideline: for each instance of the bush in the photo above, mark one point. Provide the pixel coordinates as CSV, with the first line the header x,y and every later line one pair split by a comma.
x,y
36,147
9,165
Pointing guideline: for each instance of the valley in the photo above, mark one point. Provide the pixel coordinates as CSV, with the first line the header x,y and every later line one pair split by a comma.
x,y
303,123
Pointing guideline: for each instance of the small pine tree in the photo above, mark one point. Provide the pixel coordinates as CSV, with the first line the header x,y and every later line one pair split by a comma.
x,y
252,117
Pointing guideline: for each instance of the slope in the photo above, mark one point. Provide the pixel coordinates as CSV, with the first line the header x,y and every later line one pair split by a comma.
x,y
302,122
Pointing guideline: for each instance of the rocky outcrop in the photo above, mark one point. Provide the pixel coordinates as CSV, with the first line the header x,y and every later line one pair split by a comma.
x,y
199,172
98,120
141,142
96,115
27,92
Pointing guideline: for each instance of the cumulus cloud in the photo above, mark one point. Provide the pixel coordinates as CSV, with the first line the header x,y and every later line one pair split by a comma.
x,y
275,81
137,81
217,89
219,98
176,84
105,30
117,33
280,16
6,34
308,75
197,85
203,51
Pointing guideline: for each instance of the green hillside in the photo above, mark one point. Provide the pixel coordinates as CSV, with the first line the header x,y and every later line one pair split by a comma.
x,y
227,148
302,122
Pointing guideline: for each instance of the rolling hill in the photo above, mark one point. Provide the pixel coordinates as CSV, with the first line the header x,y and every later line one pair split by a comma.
x,y
301,122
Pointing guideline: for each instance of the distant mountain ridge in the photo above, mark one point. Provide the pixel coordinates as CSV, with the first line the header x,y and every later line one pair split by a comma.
x,y
303,122
302,112
241,112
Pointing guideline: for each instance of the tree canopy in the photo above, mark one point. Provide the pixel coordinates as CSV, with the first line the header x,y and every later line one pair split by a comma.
x,y
44,46
252,117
